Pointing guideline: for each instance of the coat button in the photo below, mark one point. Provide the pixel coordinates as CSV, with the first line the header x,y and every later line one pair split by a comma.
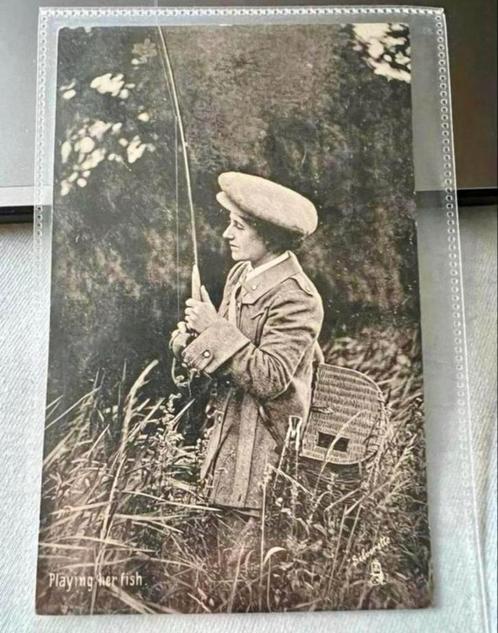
x,y
253,287
206,353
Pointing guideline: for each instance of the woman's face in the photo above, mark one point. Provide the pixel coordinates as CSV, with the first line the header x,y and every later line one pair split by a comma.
x,y
245,242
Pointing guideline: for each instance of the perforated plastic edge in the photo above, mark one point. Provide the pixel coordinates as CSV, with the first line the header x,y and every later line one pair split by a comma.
x,y
449,187
155,12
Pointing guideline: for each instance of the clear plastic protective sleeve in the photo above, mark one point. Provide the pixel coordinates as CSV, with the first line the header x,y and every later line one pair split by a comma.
x,y
459,596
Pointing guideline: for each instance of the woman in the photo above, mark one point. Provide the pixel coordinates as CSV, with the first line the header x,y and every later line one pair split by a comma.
x,y
260,345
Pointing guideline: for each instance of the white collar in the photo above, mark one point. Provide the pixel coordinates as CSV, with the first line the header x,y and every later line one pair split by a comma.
x,y
252,272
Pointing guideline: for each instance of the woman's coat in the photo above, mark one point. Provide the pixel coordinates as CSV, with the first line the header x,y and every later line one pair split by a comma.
x,y
261,363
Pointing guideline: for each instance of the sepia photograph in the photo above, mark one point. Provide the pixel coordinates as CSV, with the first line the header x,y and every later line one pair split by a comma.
x,y
234,410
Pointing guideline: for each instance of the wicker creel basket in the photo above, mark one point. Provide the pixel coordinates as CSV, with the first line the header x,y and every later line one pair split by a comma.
x,y
346,418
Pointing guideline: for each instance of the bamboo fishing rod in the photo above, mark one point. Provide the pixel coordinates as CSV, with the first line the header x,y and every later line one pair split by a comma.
x,y
170,82
178,376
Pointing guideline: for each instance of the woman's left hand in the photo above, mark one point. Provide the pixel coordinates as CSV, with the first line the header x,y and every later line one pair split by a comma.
x,y
199,315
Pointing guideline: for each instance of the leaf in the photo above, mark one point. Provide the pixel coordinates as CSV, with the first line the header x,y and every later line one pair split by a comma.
x,y
270,553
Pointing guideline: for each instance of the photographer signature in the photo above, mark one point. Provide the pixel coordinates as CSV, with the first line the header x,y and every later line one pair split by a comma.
x,y
377,576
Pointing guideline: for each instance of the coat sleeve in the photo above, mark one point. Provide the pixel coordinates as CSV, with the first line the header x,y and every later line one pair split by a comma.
x,y
292,326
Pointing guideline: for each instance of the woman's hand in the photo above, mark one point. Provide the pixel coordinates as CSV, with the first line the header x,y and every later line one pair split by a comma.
x,y
179,339
199,315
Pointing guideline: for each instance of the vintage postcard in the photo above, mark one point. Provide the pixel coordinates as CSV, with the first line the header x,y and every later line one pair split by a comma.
x,y
234,415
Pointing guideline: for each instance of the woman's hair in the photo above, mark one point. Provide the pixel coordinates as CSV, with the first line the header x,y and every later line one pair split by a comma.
x,y
277,239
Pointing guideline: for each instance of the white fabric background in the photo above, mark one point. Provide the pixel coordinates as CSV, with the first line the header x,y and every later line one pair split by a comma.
x,y
21,457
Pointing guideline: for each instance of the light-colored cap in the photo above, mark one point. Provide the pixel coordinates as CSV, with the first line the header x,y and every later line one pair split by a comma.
x,y
268,201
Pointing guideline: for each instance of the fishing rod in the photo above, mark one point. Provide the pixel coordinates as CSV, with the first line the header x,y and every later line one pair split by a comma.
x,y
182,377
170,82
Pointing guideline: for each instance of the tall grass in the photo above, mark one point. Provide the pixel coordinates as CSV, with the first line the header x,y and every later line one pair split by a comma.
x,y
121,496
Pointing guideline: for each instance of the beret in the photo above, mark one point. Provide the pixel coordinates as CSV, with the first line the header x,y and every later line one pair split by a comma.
x,y
268,201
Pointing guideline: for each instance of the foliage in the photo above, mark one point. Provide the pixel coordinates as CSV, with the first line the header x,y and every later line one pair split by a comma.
x,y
120,495
299,104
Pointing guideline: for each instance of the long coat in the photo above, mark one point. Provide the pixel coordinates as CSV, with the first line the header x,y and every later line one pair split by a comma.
x,y
262,370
